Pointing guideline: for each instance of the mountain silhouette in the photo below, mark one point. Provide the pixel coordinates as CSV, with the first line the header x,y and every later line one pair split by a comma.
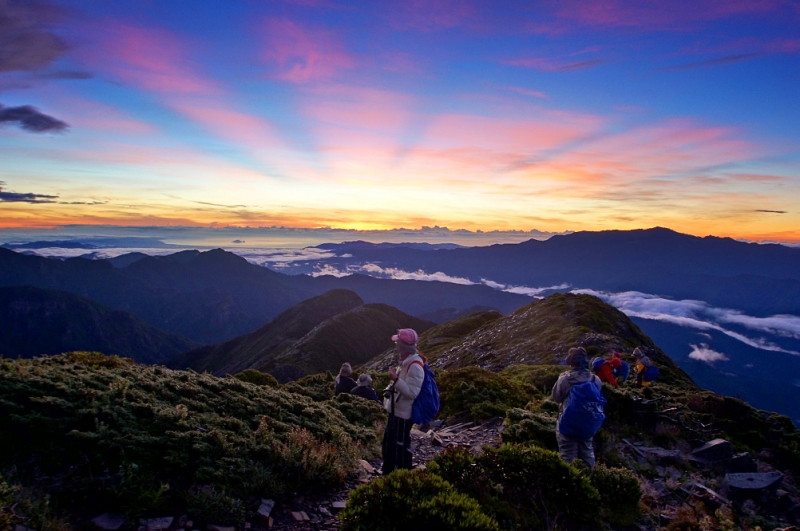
x,y
313,336
215,296
761,279
36,321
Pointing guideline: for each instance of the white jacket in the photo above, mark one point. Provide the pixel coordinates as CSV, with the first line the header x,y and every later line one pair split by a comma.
x,y
406,387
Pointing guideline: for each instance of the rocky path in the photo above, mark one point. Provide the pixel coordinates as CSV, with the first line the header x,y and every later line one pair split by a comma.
x,y
318,513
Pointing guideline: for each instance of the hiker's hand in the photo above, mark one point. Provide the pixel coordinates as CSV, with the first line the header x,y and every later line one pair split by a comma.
x,y
392,374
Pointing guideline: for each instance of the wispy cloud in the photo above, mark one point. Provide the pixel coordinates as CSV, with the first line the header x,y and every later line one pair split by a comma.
x,y
552,65
677,15
300,55
698,314
529,92
773,211
149,58
704,353
713,62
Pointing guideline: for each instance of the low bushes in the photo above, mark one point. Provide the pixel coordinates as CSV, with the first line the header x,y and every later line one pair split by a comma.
x,y
525,487
412,499
484,394
135,438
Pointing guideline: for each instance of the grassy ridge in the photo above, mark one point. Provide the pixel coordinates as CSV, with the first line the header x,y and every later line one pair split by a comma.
x,y
107,433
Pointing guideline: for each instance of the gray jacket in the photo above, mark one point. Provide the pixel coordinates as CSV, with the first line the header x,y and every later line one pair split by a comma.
x,y
406,387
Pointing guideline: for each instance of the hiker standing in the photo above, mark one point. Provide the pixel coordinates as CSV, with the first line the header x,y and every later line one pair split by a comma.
x,y
405,384
344,382
571,447
364,388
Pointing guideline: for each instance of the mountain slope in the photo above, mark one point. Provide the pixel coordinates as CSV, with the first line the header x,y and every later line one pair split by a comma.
x,y
37,321
313,336
541,333
254,349
354,336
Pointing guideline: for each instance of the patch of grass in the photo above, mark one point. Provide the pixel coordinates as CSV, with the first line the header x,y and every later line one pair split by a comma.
x,y
482,393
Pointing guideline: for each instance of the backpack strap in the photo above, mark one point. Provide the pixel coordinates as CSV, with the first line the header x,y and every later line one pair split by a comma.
x,y
418,363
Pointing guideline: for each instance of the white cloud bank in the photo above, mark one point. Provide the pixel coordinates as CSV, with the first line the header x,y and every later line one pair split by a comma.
x,y
704,353
699,315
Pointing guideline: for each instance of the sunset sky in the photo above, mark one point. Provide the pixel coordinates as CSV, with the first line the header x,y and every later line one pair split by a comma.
x,y
491,115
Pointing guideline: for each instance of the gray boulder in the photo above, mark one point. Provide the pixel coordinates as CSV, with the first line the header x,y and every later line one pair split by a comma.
x,y
752,485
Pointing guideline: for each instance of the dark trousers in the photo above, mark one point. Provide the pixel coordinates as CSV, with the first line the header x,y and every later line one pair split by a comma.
x,y
397,444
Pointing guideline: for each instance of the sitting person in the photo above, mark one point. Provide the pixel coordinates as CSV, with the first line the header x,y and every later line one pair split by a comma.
x,y
602,368
344,382
646,371
620,367
364,388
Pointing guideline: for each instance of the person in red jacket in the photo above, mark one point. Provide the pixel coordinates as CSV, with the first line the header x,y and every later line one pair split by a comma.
x,y
620,367
604,371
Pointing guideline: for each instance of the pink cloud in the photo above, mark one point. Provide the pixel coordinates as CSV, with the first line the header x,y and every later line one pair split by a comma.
x,y
529,92
551,65
148,58
523,136
431,15
255,132
300,55
347,107
783,46
673,15
85,114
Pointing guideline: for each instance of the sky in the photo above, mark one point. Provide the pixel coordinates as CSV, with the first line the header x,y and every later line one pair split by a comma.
x,y
548,116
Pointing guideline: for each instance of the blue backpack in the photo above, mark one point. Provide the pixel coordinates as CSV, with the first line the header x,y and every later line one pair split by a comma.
x,y
651,374
426,405
623,371
597,363
583,412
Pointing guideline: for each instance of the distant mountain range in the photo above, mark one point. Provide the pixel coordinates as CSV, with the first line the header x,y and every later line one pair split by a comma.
x,y
741,299
755,278
37,321
215,296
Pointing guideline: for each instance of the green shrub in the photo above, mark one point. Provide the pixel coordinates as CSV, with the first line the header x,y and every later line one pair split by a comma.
x,y
480,392
360,412
6,501
412,499
524,427
85,417
317,387
207,506
522,487
620,493
138,491
257,377
541,377
98,359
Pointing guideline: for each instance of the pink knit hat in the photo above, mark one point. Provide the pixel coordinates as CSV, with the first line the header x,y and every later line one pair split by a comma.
x,y
406,335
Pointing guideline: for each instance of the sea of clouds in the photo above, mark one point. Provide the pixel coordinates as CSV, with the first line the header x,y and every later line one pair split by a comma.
x,y
750,330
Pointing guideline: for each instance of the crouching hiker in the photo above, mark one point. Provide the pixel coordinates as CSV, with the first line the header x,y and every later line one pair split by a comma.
x,y
398,400
646,371
620,367
602,368
581,403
